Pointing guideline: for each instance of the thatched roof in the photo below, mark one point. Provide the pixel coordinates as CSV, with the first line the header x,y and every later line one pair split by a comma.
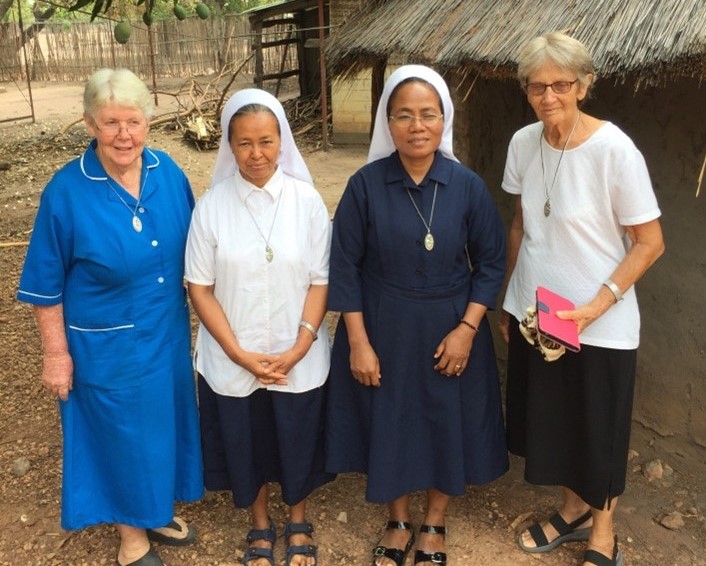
x,y
651,40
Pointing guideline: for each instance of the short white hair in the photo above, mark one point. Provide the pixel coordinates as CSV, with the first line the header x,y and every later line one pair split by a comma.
x,y
120,86
565,52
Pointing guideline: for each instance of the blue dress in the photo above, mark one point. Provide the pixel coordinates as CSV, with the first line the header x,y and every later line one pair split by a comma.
x,y
420,429
130,425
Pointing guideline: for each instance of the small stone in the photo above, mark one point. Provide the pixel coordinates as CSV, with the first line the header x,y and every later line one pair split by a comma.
x,y
342,517
632,454
20,467
653,470
26,520
673,521
668,471
629,540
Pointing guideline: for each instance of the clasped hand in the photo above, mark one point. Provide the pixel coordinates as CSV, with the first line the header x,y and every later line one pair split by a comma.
x,y
270,369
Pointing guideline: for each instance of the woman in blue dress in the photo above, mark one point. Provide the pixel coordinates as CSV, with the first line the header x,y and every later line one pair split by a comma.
x,y
104,272
417,258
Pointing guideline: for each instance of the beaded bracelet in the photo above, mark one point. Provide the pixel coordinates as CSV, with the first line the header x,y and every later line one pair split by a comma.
x,y
471,326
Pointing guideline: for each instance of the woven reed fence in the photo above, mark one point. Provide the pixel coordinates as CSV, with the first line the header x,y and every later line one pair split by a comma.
x,y
182,48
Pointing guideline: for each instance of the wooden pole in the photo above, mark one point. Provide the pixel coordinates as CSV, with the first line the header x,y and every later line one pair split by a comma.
x,y
24,51
152,65
324,82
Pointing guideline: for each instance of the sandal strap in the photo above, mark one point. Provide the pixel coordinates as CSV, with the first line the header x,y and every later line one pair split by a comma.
x,y
595,557
433,530
403,525
305,528
397,555
269,534
538,536
433,557
564,528
253,553
309,550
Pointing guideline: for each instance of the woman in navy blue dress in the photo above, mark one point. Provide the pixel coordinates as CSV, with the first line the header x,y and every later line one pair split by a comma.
x,y
417,258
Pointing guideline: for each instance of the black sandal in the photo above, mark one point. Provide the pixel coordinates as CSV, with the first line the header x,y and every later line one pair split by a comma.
x,y
397,555
433,557
568,532
253,552
595,557
308,550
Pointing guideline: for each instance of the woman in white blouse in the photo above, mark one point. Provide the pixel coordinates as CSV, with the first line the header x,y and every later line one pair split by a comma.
x,y
257,272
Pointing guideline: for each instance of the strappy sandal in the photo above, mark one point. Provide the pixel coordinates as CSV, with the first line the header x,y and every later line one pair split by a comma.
x,y
595,557
253,552
308,550
149,559
433,557
397,555
568,532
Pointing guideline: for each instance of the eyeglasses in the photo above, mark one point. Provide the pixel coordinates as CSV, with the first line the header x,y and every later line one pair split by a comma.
x,y
114,127
559,87
406,120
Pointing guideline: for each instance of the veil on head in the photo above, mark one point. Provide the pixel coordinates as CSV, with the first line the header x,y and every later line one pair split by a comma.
x,y
381,144
290,160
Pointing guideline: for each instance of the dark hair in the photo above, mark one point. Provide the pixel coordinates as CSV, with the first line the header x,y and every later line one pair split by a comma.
x,y
407,81
250,109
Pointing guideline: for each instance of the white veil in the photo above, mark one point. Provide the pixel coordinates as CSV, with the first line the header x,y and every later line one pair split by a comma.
x,y
290,160
381,144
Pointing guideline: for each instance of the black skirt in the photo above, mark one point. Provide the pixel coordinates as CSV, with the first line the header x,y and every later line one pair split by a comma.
x,y
268,436
570,419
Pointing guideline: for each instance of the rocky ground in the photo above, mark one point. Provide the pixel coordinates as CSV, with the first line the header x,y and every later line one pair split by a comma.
x,y
660,520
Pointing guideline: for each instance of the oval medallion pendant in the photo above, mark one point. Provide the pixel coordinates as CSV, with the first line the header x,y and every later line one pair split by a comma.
x,y
547,208
136,224
429,242
269,254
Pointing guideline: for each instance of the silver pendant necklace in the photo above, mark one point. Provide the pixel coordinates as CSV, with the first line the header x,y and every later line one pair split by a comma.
x,y
269,253
548,192
429,238
136,222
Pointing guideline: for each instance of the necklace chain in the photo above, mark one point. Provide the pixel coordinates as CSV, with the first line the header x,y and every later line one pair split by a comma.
x,y
428,239
269,253
136,222
548,192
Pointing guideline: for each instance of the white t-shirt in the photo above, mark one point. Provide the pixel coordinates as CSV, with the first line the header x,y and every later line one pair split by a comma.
x,y
601,186
262,300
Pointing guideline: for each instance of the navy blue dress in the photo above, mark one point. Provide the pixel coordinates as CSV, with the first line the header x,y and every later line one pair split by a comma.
x,y
420,429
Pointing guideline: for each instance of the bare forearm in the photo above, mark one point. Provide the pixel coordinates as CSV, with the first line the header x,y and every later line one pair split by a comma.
x,y
50,322
213,317
313,313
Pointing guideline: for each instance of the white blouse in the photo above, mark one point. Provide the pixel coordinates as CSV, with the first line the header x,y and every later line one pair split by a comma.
x,y
263,301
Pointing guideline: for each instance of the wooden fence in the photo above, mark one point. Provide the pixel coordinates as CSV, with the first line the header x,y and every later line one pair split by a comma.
x,y
182,48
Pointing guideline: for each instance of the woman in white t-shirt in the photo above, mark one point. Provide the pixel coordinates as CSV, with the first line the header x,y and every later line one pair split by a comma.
x,y
257,270
586,227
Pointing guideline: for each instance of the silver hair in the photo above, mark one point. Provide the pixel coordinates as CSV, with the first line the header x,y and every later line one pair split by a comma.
x,y
120,86
565,52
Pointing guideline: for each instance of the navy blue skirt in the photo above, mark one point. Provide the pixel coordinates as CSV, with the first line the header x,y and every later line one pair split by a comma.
x,y
268,436
420,429
570,419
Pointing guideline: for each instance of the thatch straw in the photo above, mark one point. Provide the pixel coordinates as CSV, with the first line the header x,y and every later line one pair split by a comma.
x,y
651,40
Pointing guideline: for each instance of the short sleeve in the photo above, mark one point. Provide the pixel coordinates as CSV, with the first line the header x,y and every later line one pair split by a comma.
x,y
49,252
320,243
200,258
632,197
512,179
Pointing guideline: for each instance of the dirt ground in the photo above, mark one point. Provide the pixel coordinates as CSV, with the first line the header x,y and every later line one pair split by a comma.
x,y
483,524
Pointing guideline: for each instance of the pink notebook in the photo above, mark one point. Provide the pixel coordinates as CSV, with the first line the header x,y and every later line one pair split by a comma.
x,y
565,332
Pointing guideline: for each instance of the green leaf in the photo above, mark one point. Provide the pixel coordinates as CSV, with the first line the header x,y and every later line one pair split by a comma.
x,y
79,4
97,5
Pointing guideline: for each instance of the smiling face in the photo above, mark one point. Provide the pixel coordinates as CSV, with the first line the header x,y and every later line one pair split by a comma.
x,y
551,108
120,133
255,142
418,139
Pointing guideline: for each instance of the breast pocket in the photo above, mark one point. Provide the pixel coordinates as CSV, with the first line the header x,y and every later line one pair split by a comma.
x,y
105,354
